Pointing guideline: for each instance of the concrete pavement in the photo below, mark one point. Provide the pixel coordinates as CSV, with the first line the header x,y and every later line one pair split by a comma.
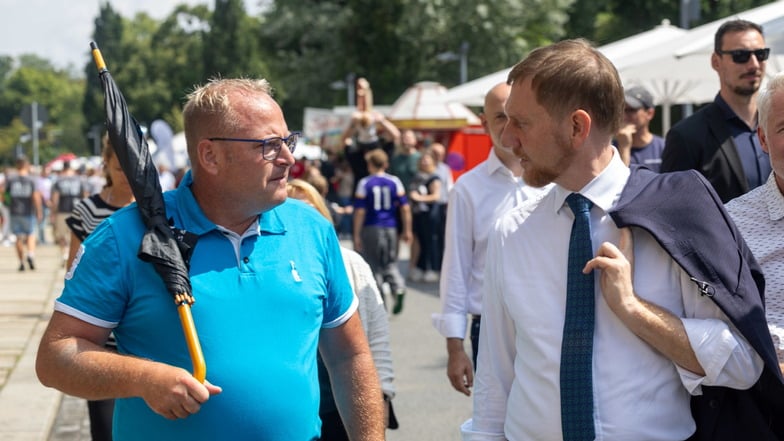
x,y
427,407
27,409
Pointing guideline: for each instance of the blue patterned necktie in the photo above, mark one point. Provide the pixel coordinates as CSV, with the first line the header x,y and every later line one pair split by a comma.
x,y
577,344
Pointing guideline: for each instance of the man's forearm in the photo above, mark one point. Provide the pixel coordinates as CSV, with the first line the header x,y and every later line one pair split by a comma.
x,y
664,331
359,398
81,368
454,345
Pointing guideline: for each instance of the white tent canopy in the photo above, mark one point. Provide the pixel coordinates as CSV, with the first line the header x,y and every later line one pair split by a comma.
x,y
679,71
473,92
672,63
421,107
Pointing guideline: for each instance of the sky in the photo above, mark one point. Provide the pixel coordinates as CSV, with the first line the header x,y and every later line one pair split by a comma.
x,y
60,30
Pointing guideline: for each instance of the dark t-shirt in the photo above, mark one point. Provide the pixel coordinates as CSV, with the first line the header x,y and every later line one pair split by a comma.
x,y
70,189
20,193
421,184
650,155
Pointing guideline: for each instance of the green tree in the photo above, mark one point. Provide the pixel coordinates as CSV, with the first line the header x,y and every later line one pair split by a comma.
x,y
231,48
395,43
178,48
6,66
108,33
714,10
145,90
37,81
610,20
498,33
300,37
10,135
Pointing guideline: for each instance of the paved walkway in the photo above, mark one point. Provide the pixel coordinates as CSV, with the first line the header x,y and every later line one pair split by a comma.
x,y
427,407
27,409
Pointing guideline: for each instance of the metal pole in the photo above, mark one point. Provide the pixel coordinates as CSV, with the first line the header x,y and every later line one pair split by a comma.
x,y
464,62
34,117
685,14
95,131
690,9
350,80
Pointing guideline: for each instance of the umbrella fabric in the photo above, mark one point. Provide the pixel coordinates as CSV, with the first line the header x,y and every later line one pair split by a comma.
x,y
168,249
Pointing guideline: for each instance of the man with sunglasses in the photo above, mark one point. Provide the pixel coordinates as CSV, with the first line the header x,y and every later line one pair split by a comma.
x,y
720,140
271,291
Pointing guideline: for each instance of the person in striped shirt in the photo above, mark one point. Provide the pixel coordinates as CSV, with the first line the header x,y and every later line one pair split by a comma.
x,y
86,215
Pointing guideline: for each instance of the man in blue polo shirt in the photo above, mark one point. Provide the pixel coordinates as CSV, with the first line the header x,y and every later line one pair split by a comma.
x,y
271,289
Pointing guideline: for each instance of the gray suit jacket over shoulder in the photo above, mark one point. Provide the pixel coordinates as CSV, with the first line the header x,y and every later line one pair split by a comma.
x,y
687,218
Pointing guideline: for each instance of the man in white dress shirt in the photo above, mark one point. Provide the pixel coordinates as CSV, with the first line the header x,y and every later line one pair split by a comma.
x,y
656,339
759,214
478,199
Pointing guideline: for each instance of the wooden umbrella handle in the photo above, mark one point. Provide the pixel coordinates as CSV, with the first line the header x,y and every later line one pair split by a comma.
x,y
192,339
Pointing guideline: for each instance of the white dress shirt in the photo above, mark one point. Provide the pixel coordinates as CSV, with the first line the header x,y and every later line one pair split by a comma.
x,y
638,393
477,200
447,182
759,215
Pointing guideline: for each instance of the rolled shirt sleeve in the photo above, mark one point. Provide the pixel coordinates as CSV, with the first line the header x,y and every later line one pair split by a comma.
x,y
724,354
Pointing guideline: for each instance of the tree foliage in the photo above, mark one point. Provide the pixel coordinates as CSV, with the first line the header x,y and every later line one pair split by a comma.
x,y
36,80
231,48
308,49
395,43
606,21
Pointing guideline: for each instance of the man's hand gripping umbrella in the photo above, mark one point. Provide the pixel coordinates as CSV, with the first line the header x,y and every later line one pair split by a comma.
x,y
166,247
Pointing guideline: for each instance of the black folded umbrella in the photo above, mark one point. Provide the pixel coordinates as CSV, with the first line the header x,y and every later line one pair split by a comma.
x,y
167,248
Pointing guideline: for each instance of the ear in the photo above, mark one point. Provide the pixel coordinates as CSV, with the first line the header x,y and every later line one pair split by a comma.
x,y
207,156
715,61
483,119
581,127
763,139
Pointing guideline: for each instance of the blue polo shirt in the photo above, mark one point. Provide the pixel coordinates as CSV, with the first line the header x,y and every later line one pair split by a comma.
x,y
258,313
756,163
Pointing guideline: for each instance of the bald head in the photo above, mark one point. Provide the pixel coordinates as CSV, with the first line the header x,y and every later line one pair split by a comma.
x,y
494,120
493,117
496,97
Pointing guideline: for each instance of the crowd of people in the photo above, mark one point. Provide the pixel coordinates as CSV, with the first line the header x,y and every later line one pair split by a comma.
x,y
606,289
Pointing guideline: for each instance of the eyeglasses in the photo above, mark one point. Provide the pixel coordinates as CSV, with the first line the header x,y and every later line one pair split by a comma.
x,y
741,56
270,147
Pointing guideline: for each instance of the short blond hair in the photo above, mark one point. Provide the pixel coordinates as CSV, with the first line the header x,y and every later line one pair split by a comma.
x,y
209,107
299,189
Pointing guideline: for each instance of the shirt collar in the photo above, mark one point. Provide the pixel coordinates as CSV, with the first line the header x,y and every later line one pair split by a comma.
x,y
730,114
773,199
191,218
603,190
495,165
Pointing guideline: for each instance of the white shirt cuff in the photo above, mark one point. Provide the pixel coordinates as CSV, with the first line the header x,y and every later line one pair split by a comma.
x,y
468,434
727,359
450,325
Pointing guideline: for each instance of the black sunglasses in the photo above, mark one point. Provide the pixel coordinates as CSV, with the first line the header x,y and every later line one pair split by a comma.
x,y
741,56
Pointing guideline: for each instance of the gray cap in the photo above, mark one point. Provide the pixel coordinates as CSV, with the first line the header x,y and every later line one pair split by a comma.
x,y
638,97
